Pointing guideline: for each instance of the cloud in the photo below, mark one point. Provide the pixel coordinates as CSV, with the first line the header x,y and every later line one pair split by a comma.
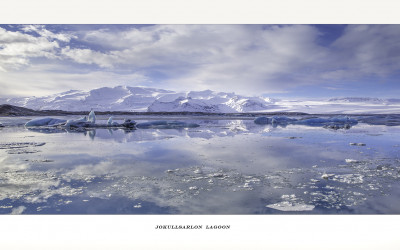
x,y
367,50
46,79
43,32
248,59
17,48
245,57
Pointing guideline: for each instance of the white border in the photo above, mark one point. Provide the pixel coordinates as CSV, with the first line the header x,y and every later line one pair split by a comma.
x,y
254,232
247,232
200,11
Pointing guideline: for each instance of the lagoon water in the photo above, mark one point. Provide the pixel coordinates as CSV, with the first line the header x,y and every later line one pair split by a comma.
x,y
224,166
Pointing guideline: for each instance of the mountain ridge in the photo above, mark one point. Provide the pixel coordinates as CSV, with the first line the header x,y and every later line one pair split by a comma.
x,y
144,99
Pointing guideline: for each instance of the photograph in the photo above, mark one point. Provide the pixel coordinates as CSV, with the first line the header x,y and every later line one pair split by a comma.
x,y
200,119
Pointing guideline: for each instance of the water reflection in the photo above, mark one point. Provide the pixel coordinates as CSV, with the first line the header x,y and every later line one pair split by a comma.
x,y
221,167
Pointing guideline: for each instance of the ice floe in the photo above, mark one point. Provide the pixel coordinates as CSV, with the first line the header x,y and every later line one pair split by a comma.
x,y
287,206
291,203
351,161
336,122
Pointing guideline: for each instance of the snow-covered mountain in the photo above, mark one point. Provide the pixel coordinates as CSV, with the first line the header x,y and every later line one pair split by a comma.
x,y
210,101
124,98
121,98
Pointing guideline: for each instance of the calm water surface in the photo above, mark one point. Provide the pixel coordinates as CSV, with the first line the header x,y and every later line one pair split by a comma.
x,y
222,167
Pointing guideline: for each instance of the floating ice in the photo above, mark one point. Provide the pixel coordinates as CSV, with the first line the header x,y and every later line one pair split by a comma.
x,y
349,178
327,176
81,122
92,117
282,120
111,123
18,210
291,207
335,122
351,161
275,120
128,123
1,125
262,120
45,121
166,125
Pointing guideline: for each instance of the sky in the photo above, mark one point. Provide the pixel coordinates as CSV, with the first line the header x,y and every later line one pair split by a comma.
x,y
292,61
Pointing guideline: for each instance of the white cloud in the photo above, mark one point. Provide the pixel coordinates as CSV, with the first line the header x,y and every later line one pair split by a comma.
x,y
248,59
367,50
43,32
17,48
212,56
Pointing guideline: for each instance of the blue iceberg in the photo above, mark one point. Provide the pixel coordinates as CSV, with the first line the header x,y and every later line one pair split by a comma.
x,y
335,122
45,121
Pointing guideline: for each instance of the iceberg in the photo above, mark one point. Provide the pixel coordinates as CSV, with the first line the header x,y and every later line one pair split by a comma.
x,y
45,121
92,117
166,125
1,125
262,120
81,122
128,123
111,123
275,120
336,122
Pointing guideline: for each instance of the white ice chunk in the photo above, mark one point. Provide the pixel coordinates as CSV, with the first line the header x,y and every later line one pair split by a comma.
x,y
291,207
92,117
110,122
351,161
18,210
327,176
